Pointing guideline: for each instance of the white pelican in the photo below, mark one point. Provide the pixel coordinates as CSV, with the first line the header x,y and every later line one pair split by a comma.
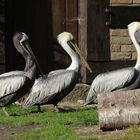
x,y
122,79
15,84
52,88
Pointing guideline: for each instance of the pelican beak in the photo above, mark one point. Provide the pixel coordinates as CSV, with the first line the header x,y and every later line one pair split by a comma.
x,y
29,50
75,47
137,36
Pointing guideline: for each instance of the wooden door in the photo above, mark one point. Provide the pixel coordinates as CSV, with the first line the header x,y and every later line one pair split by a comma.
x,y
93,34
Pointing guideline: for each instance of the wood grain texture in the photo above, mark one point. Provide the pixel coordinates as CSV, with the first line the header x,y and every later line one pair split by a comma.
x,y
98,47
82,34
118,110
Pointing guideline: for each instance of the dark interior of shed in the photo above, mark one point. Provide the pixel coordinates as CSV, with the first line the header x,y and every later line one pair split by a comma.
x,y
33,18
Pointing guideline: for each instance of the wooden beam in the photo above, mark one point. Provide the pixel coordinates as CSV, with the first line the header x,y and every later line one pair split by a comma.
x,y
82,33
121,16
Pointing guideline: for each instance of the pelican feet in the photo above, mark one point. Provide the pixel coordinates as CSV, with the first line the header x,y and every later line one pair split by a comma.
x,y
6,113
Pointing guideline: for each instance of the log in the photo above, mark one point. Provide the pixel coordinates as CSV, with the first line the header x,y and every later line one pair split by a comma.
x,y
118,110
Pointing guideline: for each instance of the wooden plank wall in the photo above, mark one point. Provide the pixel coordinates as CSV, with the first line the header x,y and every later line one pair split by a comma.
x,y
98,46
93,33
2,48
58,26
64,18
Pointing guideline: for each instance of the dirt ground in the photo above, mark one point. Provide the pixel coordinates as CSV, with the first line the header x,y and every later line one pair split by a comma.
x,y
95,131
7,131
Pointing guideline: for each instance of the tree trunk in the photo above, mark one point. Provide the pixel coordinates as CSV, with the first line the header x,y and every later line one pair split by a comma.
x,y
118,110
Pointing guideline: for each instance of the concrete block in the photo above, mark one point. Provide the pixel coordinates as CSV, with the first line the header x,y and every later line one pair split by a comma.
x,y
128,48
119,32
115,48
121,1
121,56
121,40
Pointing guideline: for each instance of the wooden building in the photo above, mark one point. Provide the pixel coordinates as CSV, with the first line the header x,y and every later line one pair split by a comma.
x,y
2,48
90,21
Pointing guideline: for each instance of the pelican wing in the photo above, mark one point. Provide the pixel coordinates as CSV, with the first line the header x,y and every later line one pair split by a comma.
x,y
113,80
55,72
10,84
110,81
47,88
11,73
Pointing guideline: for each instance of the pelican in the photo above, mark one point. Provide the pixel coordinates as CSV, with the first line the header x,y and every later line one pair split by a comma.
x,y
122,79
15,84
53,87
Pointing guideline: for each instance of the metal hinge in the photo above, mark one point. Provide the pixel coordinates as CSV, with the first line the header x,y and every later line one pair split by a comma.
x,y
109,13
70,21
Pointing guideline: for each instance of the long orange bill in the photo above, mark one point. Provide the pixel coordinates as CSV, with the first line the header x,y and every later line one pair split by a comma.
x,y
82,58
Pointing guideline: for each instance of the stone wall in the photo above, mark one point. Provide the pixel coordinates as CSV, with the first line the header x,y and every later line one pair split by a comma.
x,y
125,2
121,46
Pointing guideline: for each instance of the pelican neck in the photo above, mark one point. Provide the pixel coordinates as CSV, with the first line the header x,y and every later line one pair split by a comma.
x,y
75,58
137,65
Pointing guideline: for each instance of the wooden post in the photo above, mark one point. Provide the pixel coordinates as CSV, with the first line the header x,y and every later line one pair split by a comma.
x,y
82,33
118,110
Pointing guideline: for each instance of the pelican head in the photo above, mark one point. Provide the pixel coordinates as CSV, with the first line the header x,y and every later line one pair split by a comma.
x,y
66,40
21,42
24,37
64,37
134,30
134,26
